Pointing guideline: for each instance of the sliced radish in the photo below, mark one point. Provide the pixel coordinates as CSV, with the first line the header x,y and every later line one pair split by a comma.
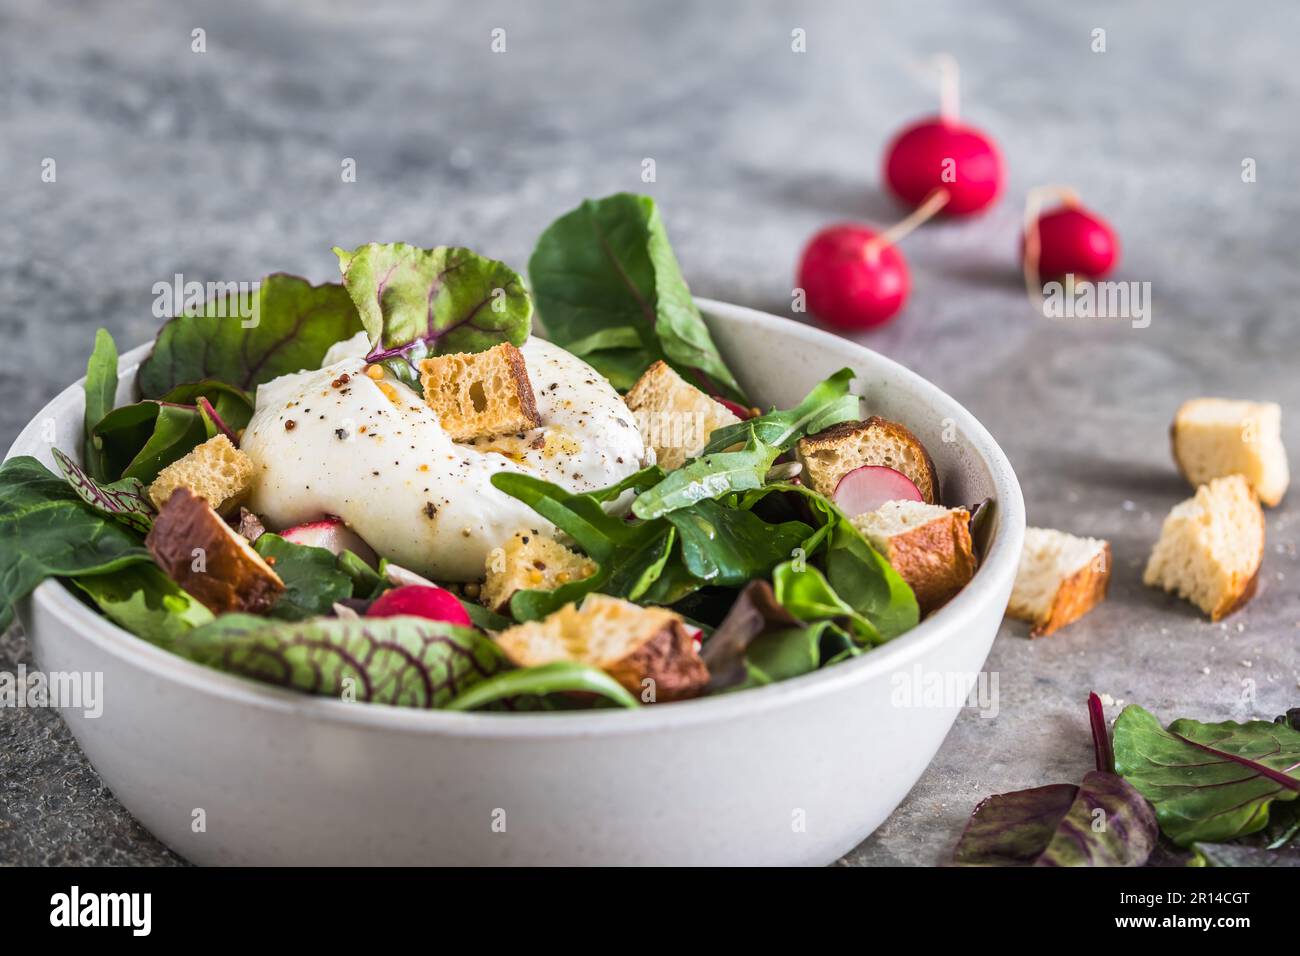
x,y
737,409
417,600
697,635
867,488
332,535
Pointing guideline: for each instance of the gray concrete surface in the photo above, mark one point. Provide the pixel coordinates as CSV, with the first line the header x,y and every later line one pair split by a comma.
x,y
226,165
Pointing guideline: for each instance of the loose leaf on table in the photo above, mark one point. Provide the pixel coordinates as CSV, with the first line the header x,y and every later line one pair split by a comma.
x,y
1236,854
829,403
709,476
628,554
558,677
405,661
292,325
124,500
1209,783
419,302
140,440
46,530
1104,822
610,290
101,394
313,579
144,601
731,546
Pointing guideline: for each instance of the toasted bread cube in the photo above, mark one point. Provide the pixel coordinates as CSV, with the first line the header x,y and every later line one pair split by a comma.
x,y
209,559
632,644
216,471
480,394
1061,578
1216,437
1211,547
831,454
675,418
928,545
530,562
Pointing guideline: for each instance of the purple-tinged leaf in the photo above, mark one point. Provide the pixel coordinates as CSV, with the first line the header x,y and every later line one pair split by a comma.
x,y
1100,735
124,500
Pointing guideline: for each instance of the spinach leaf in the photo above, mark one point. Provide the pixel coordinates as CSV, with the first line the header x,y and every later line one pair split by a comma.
x,y
864,579
292,326
806,594
418,302
124,500
101,394
405,661
367,583
313,581
829,403
730,546
140,440
558,677
609,289
144,601
1055,826
709,476
46,530
1208,782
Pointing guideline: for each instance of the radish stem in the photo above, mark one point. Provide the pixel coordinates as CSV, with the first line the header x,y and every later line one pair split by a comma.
x,y
934,202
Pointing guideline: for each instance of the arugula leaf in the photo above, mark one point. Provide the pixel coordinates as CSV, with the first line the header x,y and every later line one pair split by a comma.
x,y
144,601
313,581
295,323
140,440
1208,782
609,290
124,500
558,677
807,595
829,403
101,394
1056,826
418,302
46,530
709,476
731,546
404,661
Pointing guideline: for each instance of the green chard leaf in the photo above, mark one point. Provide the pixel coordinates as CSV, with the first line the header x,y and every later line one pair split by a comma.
x,y
1208,782
1055,826
144,601
404,661
610,290
313,579
829,403
291,326
558,677
124,500
101,394
418,302
47,530
709,476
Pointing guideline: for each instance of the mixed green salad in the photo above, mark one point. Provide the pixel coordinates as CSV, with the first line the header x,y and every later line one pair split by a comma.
x,y
768,576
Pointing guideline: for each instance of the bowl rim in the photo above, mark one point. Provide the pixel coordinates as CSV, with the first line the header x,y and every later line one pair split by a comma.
x,y
948,623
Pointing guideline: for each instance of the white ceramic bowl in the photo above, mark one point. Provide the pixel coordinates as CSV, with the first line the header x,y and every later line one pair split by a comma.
x,y
793,773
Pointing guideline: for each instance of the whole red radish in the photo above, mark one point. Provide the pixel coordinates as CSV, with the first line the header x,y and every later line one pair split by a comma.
x,y
943,153
1068,240
417,600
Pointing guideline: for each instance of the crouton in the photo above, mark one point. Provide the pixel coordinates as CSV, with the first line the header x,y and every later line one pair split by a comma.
x,y
1215,437
928,545
831,454
209,559
530,561
632,644
1211,547
675,418
480,394
216,471
1061,578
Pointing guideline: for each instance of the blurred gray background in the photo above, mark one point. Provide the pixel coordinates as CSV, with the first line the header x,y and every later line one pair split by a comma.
x,y
225,165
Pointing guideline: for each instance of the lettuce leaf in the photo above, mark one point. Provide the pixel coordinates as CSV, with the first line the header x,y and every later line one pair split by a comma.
x,y
144,601
403,661
610,290
296,322
418,302
47,530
